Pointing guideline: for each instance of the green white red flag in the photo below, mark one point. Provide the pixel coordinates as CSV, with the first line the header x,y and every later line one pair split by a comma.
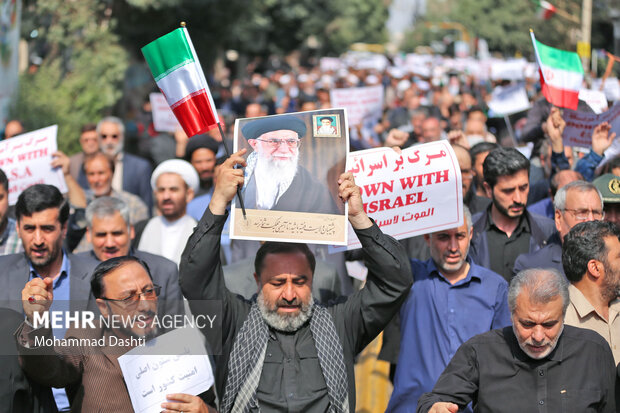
x,y
178,74
561,75
545,10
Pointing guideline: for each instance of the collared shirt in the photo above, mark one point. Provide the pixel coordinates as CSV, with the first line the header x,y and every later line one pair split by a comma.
x,y
492,372
580,313
436,319
117,178
10,243
61,286
504,250
61,289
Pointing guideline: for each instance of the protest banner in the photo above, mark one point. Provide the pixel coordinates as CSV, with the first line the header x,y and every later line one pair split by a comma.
x,y
359,102
507,100
163,117
152,371
26,160
580,125
416,192
291,190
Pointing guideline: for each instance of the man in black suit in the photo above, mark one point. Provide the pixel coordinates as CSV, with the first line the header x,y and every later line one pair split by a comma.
x,y
131,173
110,234
42,214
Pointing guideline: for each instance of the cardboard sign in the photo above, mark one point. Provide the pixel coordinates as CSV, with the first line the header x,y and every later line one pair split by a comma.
x,y
26,160
416,192
580,125
152,372
360,102
163,117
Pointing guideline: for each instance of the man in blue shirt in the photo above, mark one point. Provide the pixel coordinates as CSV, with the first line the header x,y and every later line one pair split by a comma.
x,y
452,300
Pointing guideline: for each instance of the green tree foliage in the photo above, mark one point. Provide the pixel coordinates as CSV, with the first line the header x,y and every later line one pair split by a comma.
x,y
81,71
254,27
505,24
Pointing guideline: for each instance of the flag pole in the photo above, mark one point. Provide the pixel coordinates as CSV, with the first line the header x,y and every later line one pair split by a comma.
x,y
183,24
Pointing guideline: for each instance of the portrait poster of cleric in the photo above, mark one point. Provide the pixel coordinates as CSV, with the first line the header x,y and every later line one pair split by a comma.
x,y
290,189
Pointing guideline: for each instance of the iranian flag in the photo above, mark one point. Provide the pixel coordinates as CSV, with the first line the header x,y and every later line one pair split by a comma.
x,y
546,10
177,72
561,75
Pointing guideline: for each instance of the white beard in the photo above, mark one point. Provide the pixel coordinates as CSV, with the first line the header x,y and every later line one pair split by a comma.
x,y
273,177
287,323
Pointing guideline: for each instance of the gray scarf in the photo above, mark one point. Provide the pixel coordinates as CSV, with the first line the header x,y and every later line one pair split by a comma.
x,y
248,354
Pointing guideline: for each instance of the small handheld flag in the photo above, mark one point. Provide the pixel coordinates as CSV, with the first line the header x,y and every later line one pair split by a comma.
x,y
561,75
178,74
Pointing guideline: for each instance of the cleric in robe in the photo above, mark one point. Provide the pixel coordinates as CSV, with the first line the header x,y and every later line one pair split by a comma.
x,y
273,177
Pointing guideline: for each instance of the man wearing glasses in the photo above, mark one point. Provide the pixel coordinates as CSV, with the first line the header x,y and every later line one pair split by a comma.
x,y
274,179
131,173
575,202
124,290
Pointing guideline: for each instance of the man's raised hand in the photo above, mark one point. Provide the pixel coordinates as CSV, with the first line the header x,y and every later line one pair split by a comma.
x,y
601,138
349,192
37,296
228,179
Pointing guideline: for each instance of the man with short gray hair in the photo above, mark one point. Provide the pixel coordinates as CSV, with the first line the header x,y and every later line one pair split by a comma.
x,y
131,173
537,365
110,233
575,202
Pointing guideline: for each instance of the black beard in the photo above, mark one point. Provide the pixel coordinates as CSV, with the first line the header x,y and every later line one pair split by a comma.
x,y
206,184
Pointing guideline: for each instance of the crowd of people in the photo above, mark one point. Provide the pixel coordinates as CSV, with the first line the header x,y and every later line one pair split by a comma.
x,y
517,309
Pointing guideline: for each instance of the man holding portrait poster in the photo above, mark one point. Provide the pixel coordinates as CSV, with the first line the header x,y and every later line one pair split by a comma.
x,y
274,178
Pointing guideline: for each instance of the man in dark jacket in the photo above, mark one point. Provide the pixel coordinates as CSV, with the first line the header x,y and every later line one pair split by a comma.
x,y
506,224
283,351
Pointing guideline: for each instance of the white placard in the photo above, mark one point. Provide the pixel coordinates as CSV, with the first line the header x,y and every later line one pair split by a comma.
x,y
595,99
163,117
416,192
508,69
26,160
357,270
611,88
330,64
155,370
580,125
507,100
359,102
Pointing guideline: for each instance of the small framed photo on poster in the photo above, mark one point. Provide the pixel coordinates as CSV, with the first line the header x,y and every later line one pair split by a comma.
x,y
326,125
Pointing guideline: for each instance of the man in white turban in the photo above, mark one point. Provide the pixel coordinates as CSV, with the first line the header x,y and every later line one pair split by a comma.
x,y
174,183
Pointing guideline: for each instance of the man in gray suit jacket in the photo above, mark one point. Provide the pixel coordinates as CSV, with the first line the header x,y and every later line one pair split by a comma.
x,y
42,215
110,234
